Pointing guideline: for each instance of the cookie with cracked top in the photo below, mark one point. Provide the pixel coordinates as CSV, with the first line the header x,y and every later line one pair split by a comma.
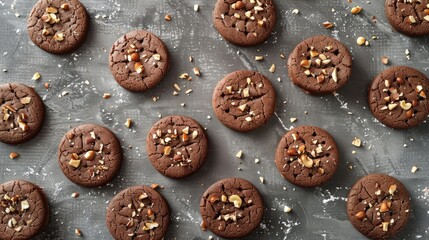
x,y
139,61
307,156
59,26
24,210
22,113
90,155
138,212
246,22
398,97
244,100
378,206
231,208
320,65
410,17
176,146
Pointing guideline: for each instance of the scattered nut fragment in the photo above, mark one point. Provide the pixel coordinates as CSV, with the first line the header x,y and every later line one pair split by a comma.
x,y
261,179
194,134
197,71
384,60
167,17
36,76
360,41
334,75
106,95
287,209
236,200
259,58
360,215
414,169
357,142
293,120
78,232
295,11
13,155
213,199
328,25
128,122
239,154
427,16
272,68
356,10
154,185
157,56
392,189
196,7
411,19
75,195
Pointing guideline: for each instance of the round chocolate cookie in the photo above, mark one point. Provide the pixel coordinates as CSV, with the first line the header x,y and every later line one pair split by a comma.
x,y
378,206
58,27
244,100
231,208
90,155
139,60
176,146
138,212
307,156
22,113
397,97
410,17
245,23
320,65
24,210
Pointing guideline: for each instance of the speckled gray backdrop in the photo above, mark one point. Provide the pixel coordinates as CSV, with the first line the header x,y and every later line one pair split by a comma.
x,y
317,213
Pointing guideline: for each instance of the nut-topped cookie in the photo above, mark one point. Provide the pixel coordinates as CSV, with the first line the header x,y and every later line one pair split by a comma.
x,y
139,61
58,26
90,155
378,206
24,210
320,65
307,156
22,113
176,146
245,22
231,208
244,100
398,97
138,212
410,17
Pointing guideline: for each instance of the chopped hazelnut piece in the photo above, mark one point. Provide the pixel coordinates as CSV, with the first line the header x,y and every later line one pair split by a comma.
x,y
360,215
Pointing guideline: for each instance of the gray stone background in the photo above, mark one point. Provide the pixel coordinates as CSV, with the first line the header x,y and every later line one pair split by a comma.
x,y
318,213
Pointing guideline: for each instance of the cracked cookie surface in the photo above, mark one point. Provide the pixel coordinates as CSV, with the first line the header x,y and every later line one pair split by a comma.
x,y
90,155
320,65
231,208
139,61
22,113
245,22
378,206
244,100
398,97
138,213
58,26
176,146
24,210
410,17
307,156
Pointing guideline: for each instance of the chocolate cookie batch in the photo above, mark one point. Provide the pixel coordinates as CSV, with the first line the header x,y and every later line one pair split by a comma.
x,y
90,155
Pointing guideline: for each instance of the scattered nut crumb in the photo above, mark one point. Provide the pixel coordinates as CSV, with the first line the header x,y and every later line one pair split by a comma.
x,y
106,95
197,71
356,10
154,185
357,142
293,119
239,154
360,41
295,11
177,87
75,195
191,59
414,169
328,25
257,160
128,122
272,68
259,58
287,209
78,232
167,17
36,76
13,155
47,85
261,179
385,60
196,7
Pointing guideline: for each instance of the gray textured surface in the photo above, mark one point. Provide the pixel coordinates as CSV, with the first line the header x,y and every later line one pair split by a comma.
x,y
317,213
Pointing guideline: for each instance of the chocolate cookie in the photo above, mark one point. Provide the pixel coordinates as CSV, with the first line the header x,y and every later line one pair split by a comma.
x,y
176,146
244,100
138,212
58,27
24,210
90,155
245,23
231,208
22,113
378,206
307,156
397,97
320,65
410,17
139,60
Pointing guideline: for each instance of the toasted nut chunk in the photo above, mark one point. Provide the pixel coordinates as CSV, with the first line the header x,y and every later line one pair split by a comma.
x,y
213,199
51,10
306,161
236,200
360,215
327,25
89,155
223,198
384,207
392,189
356,10
74,163
385,226
25,205
167,150
13,155
305,63
138,67
65,6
